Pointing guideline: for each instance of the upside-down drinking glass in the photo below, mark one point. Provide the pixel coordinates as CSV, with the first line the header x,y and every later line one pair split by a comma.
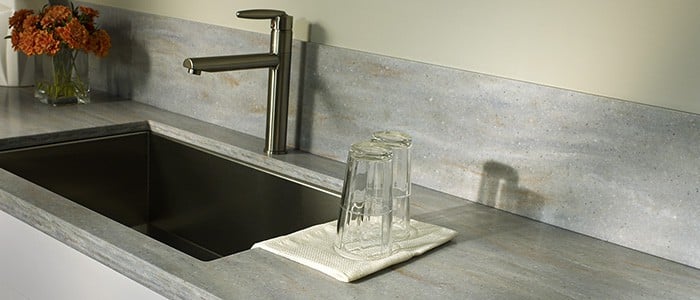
x,y
364,225
400,144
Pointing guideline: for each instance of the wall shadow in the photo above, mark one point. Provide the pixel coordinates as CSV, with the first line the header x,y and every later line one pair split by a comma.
x,y
300,94
308,87
500,188
127,66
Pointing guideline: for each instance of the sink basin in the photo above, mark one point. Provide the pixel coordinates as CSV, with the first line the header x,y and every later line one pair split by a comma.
x,y
200,203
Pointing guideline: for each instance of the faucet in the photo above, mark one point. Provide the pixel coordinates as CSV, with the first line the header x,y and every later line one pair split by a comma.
x,y
278,60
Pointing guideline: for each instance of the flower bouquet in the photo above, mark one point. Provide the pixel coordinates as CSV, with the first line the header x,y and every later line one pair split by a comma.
x,y
61,37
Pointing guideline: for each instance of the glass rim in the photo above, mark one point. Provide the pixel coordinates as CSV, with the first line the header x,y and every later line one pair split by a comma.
x,y
371,151
394,138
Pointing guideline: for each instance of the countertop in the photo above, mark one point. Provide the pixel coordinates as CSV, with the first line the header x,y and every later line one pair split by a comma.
x,y
495,255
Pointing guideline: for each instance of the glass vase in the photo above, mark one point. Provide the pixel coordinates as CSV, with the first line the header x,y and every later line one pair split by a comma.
x,y
62,78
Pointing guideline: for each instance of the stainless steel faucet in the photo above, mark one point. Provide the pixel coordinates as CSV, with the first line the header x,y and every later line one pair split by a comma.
x,y
278,60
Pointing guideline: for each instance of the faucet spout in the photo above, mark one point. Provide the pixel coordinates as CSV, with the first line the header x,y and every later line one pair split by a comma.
x,y
197,65
278,61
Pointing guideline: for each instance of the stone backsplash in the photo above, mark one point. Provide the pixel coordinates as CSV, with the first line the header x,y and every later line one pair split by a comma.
x,y
619,171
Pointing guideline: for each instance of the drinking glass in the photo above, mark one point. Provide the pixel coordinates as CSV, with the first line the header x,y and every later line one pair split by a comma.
x,y
400,144
364,225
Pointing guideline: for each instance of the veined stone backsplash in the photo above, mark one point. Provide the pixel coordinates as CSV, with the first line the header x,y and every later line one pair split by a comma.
x,y
619,171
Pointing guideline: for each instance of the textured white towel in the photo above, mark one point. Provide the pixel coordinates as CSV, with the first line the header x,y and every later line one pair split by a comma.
x,y
313,247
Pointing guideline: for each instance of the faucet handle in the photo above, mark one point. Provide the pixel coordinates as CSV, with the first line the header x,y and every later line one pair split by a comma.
x,y
280,19
260,14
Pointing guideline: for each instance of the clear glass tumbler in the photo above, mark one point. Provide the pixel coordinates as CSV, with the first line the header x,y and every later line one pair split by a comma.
x,y
364,224
400,144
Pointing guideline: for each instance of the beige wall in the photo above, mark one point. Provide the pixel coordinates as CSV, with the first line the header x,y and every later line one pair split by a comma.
x,y
639,50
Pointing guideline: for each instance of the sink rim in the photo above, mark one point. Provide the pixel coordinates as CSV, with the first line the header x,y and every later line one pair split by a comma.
x,y
192,204
228,149
259,162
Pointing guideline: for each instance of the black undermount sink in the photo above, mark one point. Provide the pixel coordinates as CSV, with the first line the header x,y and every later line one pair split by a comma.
x,y
200,203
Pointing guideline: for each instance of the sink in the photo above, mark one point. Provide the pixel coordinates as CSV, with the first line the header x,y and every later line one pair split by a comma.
x,y
198,202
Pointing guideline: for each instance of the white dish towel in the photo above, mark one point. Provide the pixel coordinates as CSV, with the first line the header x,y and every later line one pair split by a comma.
x,y
313,247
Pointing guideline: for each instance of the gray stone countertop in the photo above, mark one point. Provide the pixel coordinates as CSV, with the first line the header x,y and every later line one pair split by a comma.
x,y
496,255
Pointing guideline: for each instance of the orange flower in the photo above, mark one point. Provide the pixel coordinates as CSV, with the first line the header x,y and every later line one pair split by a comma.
x,y
56,27
74,34
38,42
30,23
44,42
89,12
15,38
18,18
56,15
99,43
26,43
87,17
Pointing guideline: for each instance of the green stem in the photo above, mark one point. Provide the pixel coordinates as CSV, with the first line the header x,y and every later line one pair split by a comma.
x,y
66,81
